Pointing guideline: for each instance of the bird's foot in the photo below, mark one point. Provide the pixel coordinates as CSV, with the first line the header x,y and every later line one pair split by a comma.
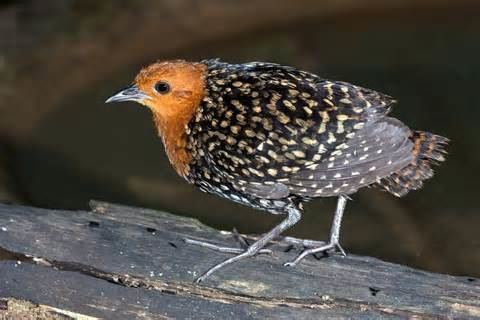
x,y
301,243
221,248
331,246
292,242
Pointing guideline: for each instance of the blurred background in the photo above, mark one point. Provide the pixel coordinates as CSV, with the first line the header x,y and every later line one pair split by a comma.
x,y
61,146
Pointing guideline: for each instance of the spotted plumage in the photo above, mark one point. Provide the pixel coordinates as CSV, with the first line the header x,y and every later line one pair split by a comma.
x,y
265,134
272,137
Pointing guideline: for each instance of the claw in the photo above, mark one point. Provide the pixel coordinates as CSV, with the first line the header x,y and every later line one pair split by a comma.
x,y
340,250
289,264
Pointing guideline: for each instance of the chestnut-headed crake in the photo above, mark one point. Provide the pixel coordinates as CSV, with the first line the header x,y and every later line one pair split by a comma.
x,y
273,137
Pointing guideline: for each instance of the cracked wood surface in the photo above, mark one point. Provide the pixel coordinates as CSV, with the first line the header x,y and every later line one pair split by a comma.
x,y
124,262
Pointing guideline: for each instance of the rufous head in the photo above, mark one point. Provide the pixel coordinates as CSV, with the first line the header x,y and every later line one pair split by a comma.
x,y
170,88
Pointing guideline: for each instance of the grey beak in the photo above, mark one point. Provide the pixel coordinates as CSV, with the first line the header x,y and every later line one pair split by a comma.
x,y
131,93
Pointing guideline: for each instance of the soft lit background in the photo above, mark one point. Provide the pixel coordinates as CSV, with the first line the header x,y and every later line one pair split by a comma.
x,y
60,145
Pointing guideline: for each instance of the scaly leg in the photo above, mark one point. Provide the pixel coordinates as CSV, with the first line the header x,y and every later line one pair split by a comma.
x,y
334,235
294,216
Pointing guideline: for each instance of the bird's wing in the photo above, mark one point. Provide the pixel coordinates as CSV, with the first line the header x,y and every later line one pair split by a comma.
x,y
276,122
379,149
382,147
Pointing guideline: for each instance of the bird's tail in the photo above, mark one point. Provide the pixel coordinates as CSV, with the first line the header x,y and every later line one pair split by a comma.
x,y
429,149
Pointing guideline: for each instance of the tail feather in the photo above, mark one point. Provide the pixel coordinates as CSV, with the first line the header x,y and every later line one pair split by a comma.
x,y
429,149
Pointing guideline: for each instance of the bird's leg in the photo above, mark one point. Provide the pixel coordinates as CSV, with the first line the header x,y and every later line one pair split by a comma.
x,y
294,215
333,242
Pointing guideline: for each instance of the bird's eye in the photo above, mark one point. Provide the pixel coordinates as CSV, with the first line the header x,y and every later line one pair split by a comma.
x,y
162,87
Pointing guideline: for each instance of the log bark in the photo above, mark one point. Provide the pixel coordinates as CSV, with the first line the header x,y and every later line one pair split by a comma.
x,y
123,262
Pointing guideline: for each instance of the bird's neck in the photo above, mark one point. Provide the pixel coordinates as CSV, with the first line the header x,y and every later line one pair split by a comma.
x,y
173,114
174,137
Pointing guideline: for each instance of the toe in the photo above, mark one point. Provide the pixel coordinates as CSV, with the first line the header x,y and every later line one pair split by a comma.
x,y
265,251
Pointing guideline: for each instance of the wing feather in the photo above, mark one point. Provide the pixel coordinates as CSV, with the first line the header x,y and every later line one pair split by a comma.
x,y
380,149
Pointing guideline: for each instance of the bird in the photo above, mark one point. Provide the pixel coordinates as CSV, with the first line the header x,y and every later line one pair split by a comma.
x,y
274,137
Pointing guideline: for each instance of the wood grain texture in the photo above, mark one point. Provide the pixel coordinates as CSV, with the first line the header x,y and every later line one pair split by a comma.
x,y
130,262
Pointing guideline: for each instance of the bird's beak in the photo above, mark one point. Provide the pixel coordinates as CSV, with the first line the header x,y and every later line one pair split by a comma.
x,y
131,93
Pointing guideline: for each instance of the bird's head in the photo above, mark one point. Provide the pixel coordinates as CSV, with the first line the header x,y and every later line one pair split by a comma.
x,y
172,90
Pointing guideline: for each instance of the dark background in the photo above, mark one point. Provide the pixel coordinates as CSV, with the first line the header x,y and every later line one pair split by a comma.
x,y
60,145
